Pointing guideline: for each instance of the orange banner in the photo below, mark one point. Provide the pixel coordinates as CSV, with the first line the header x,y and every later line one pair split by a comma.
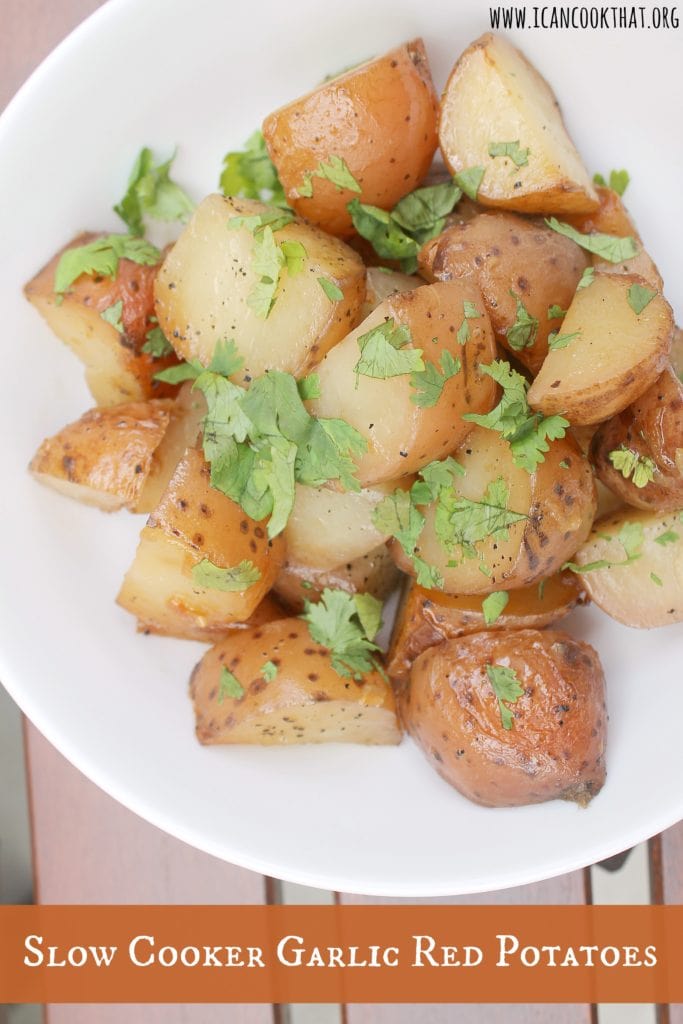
x,y
344,954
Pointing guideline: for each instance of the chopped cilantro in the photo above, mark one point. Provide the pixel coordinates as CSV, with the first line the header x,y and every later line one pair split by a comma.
x,y
556,311
527,433
337,623
269,671
618,181
557,340
268,260
387,238
564,464
607,247
157,345
333,292
422,212
639,468
236,579
398,516
469,180
463,522
523,332
429,383
631,539
369,611
656,579
229,686
519,156
151,192
112,315
383,352
505,685
493,606
251,173
586,278
541,589
101,258
309,387
668,537
295,256
639,297
274,218
335,170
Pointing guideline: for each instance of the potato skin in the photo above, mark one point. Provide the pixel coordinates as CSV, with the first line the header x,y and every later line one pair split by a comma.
x,y
428,617
505,253
380,118
117,370
106,456
401,435
372,573
652,428
307,701
556,746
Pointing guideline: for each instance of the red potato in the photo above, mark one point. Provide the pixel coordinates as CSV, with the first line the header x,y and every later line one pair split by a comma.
x,y
116,368
555,746
379,118
372,573
305,702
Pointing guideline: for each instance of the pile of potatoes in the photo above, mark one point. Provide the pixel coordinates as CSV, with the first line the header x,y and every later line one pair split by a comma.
x,y
617,382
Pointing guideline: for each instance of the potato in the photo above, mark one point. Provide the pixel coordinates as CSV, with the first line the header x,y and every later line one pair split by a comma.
x,y
676,354
615,357
495,96
379,118
428,617
555,746
194,522
116,368
612,218
402,436
559,501
187,413
381,283
306,702
651,429
372,573
202,292
647,591
105,457
511,259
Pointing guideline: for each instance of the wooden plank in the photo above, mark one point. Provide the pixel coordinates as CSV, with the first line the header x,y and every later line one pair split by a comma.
x,y
573,888
667,887
89,849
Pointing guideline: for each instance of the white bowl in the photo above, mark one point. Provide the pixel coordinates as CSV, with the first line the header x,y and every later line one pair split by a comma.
x,y
377,821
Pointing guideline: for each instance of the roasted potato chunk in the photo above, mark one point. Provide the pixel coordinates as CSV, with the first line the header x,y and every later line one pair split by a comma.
x,y
646,442
192,523
428,617
614,356
636,567
402,436
513,261
204,286
305,702
557,502
554,746
496,102
372,573
116,368
612,218
381,283
187,412
378,118
105,458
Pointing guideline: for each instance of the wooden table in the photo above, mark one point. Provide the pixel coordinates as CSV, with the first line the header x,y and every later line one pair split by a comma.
x,y
89,849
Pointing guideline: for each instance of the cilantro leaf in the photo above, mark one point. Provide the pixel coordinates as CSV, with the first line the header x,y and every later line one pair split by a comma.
x,y
387,238
429,383
225,360
555,312
335,623
639,468
523,332
383,352
157,345
112,315
335,170
327,454
333,292
369,612
505,685
631,539
656,579
153,193
398,516
607,247
309,387
269,671
519,156
101,258
274,218
586,278
469,181
229,686
463,522
237,578
557,340
183,371
527,433
493,606
668,537
268,260
639,297
295,256
423,211
251,173
618,181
